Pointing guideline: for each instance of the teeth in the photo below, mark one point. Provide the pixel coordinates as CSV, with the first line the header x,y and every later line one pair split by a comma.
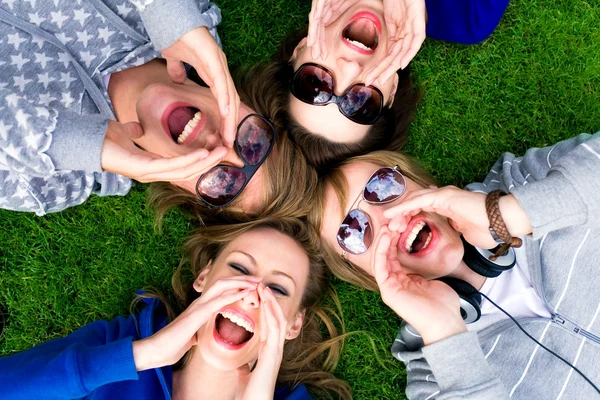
x,y
358,44
189,127
237,320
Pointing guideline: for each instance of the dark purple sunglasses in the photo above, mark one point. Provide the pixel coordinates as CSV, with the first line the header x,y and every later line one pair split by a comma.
x,y
254,141
355,234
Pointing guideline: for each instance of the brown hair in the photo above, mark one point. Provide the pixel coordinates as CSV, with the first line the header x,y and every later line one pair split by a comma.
x,y
287,178
336,180
304,358
389,132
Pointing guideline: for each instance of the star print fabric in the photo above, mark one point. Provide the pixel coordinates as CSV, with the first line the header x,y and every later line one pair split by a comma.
x,y
54,108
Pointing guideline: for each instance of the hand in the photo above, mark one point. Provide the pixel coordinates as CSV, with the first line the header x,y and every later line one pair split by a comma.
x,y
121,156
260,383
322,13
405,21
168,345
465,211
199,49
431,307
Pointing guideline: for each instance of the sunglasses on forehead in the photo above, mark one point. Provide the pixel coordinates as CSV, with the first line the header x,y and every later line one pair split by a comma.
x,y
355,234
314,84
254,141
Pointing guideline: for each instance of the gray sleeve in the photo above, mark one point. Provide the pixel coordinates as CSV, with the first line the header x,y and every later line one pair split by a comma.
x,y
167,20
557,186
453,368
37,141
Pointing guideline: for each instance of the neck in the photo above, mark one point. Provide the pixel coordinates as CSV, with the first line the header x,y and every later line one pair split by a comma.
x,y
463,272
201,380
125,87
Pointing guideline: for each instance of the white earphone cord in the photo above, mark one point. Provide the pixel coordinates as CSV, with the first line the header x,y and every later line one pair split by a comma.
x,y
541,345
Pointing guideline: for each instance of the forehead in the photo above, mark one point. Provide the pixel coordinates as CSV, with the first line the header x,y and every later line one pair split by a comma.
x,y
273,250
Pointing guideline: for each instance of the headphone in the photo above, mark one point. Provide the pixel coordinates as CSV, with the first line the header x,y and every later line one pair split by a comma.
x,y
477,259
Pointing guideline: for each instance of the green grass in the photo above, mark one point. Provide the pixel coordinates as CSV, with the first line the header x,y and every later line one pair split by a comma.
x,y
536,81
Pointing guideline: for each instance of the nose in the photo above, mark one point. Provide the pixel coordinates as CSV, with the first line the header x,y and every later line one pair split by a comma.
x,y
348,72
251,299
232,158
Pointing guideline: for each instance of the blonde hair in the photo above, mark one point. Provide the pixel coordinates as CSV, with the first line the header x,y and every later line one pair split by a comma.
x,y
288,181
308,359
337,181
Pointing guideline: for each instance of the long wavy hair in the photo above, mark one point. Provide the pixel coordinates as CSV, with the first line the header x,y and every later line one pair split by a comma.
x,y
389,132
288,181
336,180
310,358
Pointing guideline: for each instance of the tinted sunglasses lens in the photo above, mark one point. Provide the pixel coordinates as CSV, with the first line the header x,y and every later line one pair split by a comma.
x,y
355,234
312,85
361,104
255,138
386,184
221,185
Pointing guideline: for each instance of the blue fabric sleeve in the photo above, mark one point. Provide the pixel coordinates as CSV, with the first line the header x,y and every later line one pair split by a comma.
x,y
463,21
73,366
285,393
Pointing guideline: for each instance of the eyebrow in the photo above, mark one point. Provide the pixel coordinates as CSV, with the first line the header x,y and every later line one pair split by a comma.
x,y
255,264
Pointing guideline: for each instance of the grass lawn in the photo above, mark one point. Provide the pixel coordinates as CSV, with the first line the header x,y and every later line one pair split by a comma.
x,y
534,82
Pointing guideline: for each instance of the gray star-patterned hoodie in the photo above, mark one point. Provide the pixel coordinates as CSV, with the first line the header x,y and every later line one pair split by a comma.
x,y
54,107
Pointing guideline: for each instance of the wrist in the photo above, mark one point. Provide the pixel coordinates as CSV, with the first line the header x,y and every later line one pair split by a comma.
x,y
142,355
514,216
443,330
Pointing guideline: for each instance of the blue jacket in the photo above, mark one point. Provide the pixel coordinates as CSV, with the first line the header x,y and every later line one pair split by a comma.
x,y
96,362
463,21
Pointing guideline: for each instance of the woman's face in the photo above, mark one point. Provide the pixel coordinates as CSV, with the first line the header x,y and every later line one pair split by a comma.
x,y
356,41
431,257
177,119
225,341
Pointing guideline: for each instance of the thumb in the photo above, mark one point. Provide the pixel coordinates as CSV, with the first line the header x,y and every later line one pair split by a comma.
x,y
133,130
176,70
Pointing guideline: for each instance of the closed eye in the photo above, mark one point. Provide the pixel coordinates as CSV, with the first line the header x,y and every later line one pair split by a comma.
x,y
239,268
278,290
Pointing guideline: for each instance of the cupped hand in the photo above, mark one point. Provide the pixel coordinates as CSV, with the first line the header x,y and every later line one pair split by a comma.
x,y
405,21
465,211
168,345
260,383
199,49
121,156
431,307
322,13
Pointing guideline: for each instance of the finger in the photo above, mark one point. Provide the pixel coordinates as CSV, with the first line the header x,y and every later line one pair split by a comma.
x,y
133,130
394,63
379,265
276,331
264,329
176,70
233,283
181,168
229,122
418,200
313,21
322,43
413,49
216,303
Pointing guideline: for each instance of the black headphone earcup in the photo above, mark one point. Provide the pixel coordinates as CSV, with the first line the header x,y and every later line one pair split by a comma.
x,y
478,260
470,299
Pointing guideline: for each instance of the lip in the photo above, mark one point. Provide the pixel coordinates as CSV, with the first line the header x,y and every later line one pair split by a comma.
x,y
362,14
435,237
223,342
195,131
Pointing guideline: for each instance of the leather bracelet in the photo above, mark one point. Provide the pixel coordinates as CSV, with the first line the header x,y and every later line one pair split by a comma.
x,y
498,227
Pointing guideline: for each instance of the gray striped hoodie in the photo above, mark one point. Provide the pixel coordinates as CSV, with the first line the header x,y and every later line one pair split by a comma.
x,y
54,108
559,188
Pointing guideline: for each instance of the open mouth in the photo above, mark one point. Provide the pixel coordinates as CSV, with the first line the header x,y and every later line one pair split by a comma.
x,y
232,329
182,121
419,238
362,33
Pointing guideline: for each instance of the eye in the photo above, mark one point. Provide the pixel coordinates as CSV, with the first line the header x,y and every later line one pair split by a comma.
x,y
239,268
278,290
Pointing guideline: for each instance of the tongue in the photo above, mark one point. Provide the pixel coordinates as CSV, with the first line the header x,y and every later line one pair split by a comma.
x,y
421,239
178,119
362,30
232,332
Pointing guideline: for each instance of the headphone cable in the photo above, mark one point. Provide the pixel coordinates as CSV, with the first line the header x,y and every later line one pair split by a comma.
x,y
541,345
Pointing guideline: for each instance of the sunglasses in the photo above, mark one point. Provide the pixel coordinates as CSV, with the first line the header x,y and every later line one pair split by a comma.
x,y
254,141
313,84
355,234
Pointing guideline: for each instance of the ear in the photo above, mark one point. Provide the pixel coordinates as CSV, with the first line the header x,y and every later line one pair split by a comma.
x,y
300,47
395,81
200,281
296,327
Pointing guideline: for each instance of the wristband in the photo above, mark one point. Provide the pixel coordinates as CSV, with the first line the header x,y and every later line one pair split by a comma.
x,y
498,228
